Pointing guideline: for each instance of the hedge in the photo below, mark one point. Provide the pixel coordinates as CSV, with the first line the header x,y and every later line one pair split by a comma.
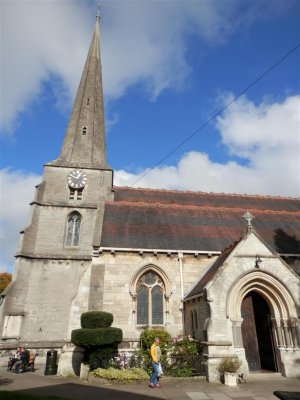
x,y
96,319
96,337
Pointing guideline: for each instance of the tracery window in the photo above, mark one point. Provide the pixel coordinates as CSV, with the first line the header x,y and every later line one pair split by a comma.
x,y
150,299
73,229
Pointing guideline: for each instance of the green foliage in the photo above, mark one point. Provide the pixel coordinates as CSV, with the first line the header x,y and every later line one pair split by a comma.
x,y
179,357
96,319
229,364
101,357
183,358
184,346
121,375
96,337
148,335
180,369
138,360
141,358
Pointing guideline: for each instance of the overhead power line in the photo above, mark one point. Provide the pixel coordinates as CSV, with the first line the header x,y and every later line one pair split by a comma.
x,y
214,116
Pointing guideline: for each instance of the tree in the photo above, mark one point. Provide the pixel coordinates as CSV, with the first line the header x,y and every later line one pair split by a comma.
x,y
5,279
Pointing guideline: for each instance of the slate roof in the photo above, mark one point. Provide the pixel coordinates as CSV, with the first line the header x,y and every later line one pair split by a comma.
x,y
174,220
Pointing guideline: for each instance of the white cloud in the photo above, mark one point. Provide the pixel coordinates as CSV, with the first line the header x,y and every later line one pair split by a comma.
x,y
142,42
266,135
16,192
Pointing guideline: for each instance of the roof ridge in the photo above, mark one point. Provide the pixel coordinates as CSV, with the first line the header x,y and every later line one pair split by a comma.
x,y
210,193
193,206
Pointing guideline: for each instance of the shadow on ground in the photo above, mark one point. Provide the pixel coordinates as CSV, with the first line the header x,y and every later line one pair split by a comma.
x,y
5,381
80,392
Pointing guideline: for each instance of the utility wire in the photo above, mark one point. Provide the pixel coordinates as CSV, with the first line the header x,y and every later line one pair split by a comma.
x,y
217,113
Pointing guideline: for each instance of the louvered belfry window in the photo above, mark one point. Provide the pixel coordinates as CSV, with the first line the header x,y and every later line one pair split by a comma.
x,y
73,229
150,299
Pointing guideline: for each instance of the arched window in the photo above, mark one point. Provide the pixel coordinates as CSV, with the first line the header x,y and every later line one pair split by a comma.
x,y
73,229
150,299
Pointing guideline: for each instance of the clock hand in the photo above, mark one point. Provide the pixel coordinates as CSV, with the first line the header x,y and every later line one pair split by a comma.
x,y
80,173
73,176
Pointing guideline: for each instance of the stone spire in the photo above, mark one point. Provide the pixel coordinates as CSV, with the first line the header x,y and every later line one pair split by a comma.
x,y
84,143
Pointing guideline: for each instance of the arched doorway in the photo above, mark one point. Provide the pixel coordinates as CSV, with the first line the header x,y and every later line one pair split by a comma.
x,y
257,333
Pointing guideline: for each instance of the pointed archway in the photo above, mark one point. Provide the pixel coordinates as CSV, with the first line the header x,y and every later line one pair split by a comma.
x,y
257,333
274,322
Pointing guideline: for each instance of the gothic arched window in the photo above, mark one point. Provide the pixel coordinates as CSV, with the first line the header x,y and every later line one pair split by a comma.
x,y
150,299
73,229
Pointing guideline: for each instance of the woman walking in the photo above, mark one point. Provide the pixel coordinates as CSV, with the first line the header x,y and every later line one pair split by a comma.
x,y
155,357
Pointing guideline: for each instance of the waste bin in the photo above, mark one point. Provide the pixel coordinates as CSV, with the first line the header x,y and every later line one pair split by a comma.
x,y
51,360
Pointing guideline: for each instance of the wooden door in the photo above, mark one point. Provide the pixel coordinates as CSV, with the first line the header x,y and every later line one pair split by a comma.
x,y
249,335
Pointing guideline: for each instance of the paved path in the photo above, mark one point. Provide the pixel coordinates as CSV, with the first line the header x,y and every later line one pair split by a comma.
x,y
258,387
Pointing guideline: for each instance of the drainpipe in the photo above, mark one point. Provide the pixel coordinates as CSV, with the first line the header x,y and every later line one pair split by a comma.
x,y
180,259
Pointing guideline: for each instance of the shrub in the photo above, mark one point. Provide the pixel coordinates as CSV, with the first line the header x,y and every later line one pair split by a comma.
x,y
96,337
121,375
229,364
148,336
96,319
183,346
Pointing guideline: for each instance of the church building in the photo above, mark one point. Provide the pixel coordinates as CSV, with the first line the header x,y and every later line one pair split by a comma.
x,y
221,267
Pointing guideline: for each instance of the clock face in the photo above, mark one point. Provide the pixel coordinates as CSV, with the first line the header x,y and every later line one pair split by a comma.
x,y
77,179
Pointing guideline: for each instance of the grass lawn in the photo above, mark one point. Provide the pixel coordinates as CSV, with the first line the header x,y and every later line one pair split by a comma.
x,y
4,395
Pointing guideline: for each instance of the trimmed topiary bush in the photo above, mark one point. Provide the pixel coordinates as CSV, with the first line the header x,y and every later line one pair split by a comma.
x,y
96,319
96,337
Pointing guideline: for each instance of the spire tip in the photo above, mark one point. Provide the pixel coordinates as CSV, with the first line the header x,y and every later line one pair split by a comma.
x,y
98,12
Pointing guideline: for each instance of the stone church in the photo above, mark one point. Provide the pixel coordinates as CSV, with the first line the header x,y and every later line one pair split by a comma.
x,y
188,262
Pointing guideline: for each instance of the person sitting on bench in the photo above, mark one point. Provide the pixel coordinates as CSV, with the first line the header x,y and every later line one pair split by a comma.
x,y
20,365
14,359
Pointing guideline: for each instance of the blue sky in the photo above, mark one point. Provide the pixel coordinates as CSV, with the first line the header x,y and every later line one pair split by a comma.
x,y
167,67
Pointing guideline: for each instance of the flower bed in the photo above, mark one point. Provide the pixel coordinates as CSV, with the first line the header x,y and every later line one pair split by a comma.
x,y
121,375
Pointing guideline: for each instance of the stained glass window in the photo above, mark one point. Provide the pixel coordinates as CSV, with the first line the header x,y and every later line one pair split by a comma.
x,y
157,305
150,300
143,305
73,229
150,278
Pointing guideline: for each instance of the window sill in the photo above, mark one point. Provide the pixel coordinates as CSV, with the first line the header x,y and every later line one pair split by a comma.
x,y
150,327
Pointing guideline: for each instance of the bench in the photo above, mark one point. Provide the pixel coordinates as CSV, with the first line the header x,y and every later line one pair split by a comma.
x,y
25,366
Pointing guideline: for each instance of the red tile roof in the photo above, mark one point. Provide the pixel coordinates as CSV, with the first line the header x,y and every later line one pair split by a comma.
x,y
174,220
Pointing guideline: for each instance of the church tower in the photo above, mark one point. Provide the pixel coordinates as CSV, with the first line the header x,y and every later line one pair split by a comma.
x,y
53,262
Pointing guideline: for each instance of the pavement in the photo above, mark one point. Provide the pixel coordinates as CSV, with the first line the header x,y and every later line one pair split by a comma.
x,y
258,387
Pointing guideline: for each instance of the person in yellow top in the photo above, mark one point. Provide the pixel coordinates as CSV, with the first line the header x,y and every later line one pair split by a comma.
x,y
155,358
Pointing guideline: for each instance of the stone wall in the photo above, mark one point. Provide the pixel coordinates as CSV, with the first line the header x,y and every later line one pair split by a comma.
x,y
44,294
120,270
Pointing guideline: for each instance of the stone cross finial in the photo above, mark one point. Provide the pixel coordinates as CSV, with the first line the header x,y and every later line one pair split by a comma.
x,y
248,217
